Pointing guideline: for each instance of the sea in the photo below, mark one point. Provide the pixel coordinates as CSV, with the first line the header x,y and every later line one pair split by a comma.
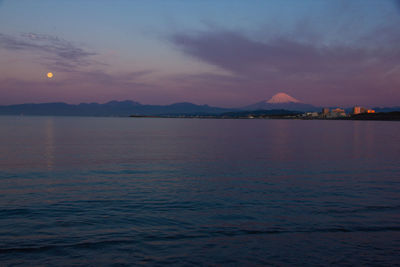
x,y
90,191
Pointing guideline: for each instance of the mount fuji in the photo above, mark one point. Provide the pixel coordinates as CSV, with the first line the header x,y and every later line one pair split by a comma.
x,y
282,101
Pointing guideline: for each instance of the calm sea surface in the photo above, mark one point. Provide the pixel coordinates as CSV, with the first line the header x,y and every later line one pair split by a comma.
x,y
123,191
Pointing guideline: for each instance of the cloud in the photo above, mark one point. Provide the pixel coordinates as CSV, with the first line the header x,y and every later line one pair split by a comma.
x,y
361,72
245,57
54,51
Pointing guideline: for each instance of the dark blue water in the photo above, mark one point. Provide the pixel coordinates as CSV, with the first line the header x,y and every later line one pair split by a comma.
x,y
123,191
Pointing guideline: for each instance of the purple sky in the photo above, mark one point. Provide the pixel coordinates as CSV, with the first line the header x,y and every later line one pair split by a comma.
x,y
225,53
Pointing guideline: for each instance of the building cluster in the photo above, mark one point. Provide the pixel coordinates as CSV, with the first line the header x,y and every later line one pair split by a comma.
x,y
359,110
337,113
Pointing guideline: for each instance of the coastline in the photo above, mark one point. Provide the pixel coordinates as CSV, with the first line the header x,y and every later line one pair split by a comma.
x,y
383,116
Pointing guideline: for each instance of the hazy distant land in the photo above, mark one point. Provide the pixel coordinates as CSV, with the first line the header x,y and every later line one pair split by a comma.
x,y
279,106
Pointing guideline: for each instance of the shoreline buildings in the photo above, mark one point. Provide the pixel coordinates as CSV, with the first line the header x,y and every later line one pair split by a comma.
x,y
359,110
327,113
334,113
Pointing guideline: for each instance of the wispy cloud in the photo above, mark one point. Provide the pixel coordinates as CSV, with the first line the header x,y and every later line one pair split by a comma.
x,y
53,50
238,54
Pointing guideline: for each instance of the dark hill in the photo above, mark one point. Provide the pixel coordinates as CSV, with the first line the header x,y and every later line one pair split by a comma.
x,y
112,108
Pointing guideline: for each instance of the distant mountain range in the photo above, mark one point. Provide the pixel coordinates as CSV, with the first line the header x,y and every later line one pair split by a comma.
x,y
112,108
281,103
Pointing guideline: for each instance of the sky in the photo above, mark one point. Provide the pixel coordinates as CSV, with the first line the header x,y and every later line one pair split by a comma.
x,y
226,53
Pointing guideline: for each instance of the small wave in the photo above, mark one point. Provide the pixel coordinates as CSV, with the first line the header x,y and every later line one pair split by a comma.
x,y
312,230
199,234
11,212
359,210
52,247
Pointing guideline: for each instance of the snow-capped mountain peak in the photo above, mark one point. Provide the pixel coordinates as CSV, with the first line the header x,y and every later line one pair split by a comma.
x,y
280,98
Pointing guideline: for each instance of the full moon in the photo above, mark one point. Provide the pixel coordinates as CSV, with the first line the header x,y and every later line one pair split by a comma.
x,y
50,75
